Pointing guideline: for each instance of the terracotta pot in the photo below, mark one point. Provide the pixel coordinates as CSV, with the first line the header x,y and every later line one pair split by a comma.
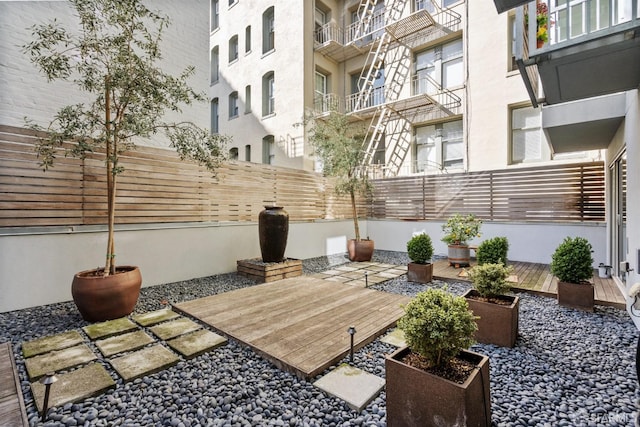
x,y
576,295
273,228
361,250
498,324
420,273
418,398
459,255
101,298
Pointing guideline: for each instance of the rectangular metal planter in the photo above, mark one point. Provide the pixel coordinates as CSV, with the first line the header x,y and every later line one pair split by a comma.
x,y
420,273
498,324
576,295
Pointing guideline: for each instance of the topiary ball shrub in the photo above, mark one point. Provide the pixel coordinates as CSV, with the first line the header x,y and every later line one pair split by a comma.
x,y
493,251
420,248
572,261
490,280
437,325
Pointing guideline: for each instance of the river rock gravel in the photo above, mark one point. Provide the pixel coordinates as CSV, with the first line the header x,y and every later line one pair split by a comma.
x,y
569,368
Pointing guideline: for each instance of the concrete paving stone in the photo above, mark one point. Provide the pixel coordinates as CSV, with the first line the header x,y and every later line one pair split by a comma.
x,y
153,317
143,362
386,266
110,327
398,271
339,279
376,278
58,360
173,328
125,342
195,343
376,269
50,343
346,268
353,385
395,338
332,272
354,274
387,274
74,386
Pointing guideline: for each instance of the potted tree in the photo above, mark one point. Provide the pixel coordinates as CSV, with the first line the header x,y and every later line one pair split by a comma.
x,y
493,251
339,146
113,59
420,251
459,229
435,380
497,312
572,264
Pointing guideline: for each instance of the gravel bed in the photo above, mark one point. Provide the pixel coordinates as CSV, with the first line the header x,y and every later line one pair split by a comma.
x,y
568,368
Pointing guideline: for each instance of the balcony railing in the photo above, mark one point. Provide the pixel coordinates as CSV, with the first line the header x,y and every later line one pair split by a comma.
x,y
326,103
328,33
360,31
375,98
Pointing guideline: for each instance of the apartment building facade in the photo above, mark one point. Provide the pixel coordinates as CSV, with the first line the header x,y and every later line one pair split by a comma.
x,y
435,81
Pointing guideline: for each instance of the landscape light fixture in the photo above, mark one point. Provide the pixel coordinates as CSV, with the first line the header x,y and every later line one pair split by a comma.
x,y
48,379
366,279
352,332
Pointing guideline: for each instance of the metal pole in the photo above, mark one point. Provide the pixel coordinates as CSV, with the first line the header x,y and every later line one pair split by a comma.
x,y
47,380
352,332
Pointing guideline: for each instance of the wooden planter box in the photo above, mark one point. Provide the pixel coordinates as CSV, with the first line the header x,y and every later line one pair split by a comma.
x,y
498,324
417,398
576,295
271,271
420,273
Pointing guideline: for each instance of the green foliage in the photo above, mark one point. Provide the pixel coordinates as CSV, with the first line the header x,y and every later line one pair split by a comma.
x,y
339,146
490,279
460,229
437,325
493,251
420,248
572,261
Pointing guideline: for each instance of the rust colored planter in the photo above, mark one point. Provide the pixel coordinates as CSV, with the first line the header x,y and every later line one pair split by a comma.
x,y
576,295
459,255
420,273
360,250
104,298
418,398
498,324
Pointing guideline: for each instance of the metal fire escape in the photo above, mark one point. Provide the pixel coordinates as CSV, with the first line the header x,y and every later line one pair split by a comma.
x,y
391,51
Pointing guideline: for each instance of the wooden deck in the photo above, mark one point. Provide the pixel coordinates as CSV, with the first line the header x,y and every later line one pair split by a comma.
x,y
12,410
537,278
299,324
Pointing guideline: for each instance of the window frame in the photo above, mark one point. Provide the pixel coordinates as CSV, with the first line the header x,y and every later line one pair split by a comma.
x,y
268,30
233,105
233,49
214,65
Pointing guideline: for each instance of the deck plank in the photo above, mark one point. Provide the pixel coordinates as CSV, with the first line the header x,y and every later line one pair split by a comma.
x,y
12,409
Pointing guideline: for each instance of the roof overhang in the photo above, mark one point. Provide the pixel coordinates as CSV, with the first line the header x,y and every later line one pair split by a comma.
x,y
587,124
504,5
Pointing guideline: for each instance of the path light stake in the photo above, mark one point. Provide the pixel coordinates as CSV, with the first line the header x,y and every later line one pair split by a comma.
x,y
366,279
352,332
48,379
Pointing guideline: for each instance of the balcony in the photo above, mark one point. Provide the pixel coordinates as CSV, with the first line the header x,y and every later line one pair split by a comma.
x,y
592,49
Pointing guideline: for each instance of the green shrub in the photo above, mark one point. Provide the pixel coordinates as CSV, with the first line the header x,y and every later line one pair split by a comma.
x,y
572,260
490,279
437,325
420,248
493,251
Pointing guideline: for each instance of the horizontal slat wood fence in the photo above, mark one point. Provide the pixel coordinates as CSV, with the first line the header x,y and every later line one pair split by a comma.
x,y
156,187
572,192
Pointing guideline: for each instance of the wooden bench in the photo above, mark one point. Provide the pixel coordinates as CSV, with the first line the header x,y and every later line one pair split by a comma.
x,y
12,409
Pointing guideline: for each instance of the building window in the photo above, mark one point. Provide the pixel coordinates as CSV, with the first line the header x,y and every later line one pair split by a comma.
x,y
247,99
247,153
233,48
268,99
512,43
214,116
441,66
268,150
321,101
232,2
320,21
233,153
439,146
247,39
449,3
526,135
215,14
268,30
215,67
376,97
233,105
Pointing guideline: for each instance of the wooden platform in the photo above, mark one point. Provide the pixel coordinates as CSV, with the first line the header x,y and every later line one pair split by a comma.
x,y
299,324
262,272
537,278
12,410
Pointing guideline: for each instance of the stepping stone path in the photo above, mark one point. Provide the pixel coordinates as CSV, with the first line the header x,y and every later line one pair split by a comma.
x,y
363,273
124,344
395,338
353,385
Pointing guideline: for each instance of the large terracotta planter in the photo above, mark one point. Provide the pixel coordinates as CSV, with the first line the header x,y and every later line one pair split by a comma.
x,y
360,250
101,298
273,228
576,295
459,255
420,273
418,398
498,324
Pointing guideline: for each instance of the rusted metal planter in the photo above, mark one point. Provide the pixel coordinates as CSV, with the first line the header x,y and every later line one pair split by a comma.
x,y
576,295
418,398
360,250
459,255
498,324
420,273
